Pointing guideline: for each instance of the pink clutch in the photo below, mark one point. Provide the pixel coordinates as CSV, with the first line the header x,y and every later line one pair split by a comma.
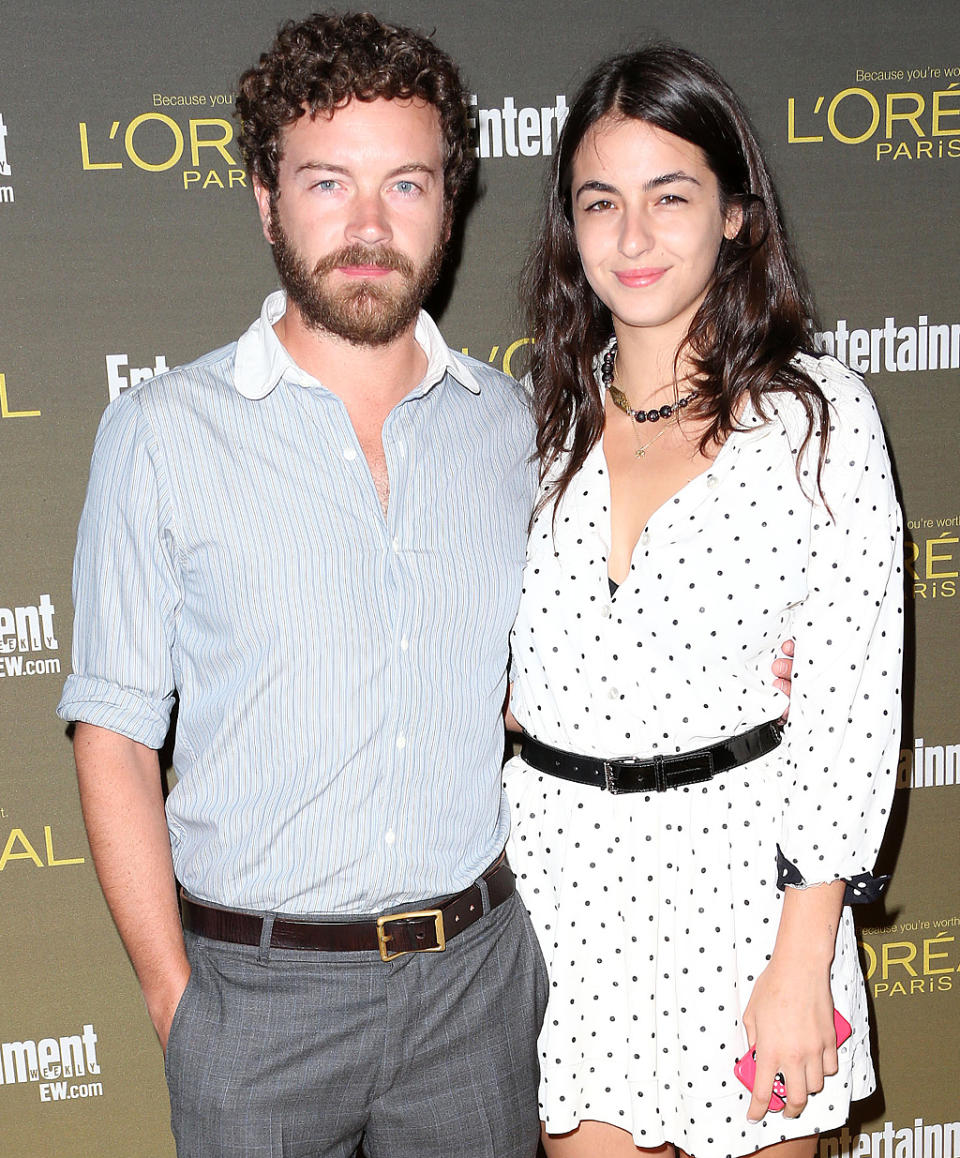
x,y
746,1067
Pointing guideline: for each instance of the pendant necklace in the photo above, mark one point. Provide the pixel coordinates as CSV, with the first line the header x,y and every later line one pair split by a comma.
x,y
608,371
641,451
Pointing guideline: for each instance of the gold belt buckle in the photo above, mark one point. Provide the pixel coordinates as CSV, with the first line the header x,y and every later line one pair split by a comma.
x,y
383,936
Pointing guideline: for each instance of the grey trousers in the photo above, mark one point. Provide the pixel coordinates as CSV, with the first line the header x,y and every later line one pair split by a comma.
x,y
298,1054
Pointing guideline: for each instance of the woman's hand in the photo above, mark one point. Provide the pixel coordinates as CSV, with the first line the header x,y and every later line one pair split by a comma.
x,y
783,668
789,1022
789,1017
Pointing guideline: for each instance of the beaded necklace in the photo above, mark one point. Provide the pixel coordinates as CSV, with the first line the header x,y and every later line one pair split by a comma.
x,y
668,410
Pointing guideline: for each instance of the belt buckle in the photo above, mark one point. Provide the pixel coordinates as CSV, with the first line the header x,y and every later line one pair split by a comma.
x,y
611,773
610,777
383,936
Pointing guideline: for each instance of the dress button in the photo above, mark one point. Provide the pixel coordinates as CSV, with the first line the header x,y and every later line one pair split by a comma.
x,y
613,694
645,538
395,546
401,741
712,481
390,837
605,611
349,453
404,644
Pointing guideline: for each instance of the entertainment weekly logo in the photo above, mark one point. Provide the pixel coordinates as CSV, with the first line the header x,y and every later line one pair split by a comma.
x,y
505,130
55,1065
6,191
26,629
894,348
921,1140
929,765
121,375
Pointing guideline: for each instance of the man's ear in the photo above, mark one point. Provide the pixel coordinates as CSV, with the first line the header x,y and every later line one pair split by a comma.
x,y
262,194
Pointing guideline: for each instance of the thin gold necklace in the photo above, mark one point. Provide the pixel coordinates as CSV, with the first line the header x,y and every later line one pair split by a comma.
x,y
641,451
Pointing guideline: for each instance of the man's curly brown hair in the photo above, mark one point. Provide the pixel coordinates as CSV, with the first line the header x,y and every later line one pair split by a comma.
x,y
322,62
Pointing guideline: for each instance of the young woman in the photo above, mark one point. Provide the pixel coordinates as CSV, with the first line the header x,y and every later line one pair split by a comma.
x,y
710,487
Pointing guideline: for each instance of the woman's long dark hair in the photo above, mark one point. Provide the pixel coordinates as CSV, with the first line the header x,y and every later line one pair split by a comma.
x,y
757,313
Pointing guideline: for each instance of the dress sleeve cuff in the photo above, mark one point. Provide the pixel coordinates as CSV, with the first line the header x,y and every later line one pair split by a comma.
x,y
861,890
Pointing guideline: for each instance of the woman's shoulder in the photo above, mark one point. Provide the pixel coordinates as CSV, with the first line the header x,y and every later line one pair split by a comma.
x,y
856,437
843,388
853,411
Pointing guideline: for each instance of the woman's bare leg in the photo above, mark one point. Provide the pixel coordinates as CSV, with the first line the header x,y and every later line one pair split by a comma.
x,y
795,1148
602,1140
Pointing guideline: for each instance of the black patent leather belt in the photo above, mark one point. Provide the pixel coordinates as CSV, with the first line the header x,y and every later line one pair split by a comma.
x,y
658,773
419,930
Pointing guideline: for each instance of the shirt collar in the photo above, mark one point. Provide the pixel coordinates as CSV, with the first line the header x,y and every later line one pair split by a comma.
x,y
262,360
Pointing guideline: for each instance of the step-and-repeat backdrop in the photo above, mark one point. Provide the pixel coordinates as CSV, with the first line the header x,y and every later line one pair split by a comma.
x,y
129,243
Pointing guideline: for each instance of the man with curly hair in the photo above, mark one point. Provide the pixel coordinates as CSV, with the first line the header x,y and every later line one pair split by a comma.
x,y
313,538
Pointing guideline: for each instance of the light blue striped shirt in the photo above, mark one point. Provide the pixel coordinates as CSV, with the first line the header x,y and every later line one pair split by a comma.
x,y
341,674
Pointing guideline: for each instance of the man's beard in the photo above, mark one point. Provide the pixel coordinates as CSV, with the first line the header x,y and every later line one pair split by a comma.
x,y
366,313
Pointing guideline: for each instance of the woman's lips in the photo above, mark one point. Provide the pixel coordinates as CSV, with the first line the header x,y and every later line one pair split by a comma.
x,y
638,278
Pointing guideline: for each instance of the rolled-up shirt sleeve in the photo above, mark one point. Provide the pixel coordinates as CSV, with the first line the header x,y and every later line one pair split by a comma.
x,y
126,590
843,730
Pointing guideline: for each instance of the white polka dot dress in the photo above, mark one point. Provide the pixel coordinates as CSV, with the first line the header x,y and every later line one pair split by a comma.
x,y
657,913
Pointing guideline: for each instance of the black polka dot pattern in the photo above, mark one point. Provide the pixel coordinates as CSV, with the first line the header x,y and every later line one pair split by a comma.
x,y
657,913
864,889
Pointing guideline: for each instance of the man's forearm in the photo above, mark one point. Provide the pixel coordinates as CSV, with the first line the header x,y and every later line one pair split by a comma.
x,y
122,800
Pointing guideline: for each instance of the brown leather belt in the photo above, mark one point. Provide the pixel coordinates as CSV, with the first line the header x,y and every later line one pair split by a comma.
x,y
413,931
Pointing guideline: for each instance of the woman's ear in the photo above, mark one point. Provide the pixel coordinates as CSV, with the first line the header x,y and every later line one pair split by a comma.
x,y
733,220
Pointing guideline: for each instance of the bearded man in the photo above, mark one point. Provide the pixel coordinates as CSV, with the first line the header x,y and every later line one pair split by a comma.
x,y
313,538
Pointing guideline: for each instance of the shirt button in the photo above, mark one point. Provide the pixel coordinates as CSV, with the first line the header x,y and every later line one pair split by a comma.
x,y
712,481
613,694
349,453
401,741
605,611
404,644
395,546
645,538
390,837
